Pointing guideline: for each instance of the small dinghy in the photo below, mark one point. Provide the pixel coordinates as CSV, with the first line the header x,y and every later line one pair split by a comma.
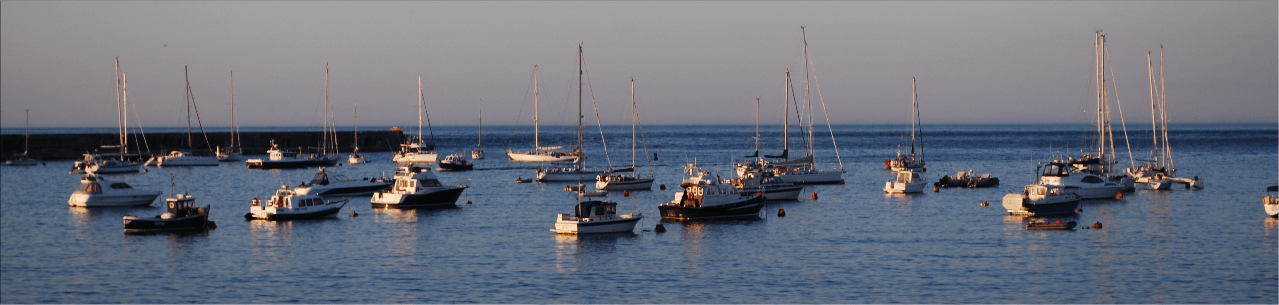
x,y
287,204
967,179
1044,225
456,162
182,215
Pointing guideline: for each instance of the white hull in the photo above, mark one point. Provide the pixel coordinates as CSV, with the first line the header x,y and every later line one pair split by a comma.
x,y
416,157
119,168
533,157
477,155
814,177
186,161
641,184
565,176
892,187
1272,209
1103,192
355,159
99,200
570,225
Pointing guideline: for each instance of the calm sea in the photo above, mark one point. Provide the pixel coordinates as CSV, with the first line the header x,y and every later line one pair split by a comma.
x,y
851,245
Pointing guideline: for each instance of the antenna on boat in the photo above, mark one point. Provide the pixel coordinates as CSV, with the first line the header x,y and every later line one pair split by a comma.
x,y
171,183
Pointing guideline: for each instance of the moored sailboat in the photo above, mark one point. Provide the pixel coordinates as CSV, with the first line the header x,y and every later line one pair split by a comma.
x,y
541,153
577,170
186,155
22,159
616,179
416,150
233,152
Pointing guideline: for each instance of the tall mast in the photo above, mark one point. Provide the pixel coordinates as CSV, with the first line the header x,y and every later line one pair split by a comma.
x,y
324,150
357,126
26,144
1163,111
786,118
913,117
119,103
235,127
757,128
537,146
186,74
479,128
633,118
1154,119
419,112
580,62
124,117
808,101
1101,84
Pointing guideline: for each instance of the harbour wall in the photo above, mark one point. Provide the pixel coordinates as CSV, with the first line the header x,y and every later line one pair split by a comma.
x,y
72,146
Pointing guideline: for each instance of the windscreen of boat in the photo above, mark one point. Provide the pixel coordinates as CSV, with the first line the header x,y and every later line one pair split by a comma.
x,y
92,188
320,179
120,185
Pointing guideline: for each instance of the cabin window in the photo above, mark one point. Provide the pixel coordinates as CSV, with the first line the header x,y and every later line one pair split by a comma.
x,y
1056,192
1038,191
92,188
120,185
1092,179
431,183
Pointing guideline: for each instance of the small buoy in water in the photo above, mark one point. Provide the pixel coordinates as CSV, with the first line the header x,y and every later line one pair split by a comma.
x,y
146,170
47,163
985,203
354,214
663,187
654,156
1119,196
1096,225
213,225
468,202
814,196
626,193
660,228
935,189
841,181
1079,210
1059,221
339,163
781,212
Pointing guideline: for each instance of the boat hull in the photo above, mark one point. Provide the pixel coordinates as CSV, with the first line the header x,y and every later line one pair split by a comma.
x,y
98,200
747,208
186,161
437,199
284,164
193,222
818,177
1272,210
1018,204
319,213
617,225
457,166
353,188
636,184
113,168
566,176
419,158
893,187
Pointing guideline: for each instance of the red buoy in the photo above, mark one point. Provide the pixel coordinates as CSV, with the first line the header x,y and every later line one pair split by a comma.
x,y
814,196
781,212
624,194
663,187
935,189
1119,196
1096,225
985,203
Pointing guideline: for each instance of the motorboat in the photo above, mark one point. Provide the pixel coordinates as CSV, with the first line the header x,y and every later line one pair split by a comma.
x,y
770,186
704,198
416,151
967,179
1090,186
184,158
456,162
565,174
595,216
907,182
1271,201
279,158
1039,200
417,187
182,214
1039,224
96,191
541,153
22,159
289,204
340,185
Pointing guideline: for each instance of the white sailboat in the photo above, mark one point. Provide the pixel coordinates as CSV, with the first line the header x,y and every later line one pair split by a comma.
x,y
233,152
577,171
184,157
96,164
541,153
416,151
1159,172
908,178
280,158
478,153
1101,161
22,159
356,157
616,180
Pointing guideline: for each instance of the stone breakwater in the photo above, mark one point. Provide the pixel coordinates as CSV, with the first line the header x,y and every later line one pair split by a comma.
x,y
72,146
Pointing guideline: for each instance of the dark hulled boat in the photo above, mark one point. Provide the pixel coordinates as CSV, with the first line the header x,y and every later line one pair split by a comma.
x,y
704,197
182,214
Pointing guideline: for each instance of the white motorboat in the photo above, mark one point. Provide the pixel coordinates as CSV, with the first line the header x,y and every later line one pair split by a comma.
x,y
770,186
95,191
907,182
289,204
1271,201
456,162
279,158
340,185
541,153
416,151
1039,200
1090,186
22,159
595,216
417,187
182,214
617,180
704,197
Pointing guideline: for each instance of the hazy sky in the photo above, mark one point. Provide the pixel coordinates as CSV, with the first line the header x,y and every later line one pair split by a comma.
x,y
693,63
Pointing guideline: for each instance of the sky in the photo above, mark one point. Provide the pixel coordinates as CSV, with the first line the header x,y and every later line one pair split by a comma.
x,y
692,62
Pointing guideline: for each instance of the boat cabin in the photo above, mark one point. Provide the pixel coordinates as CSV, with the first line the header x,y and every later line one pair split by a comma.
x,y
595,208
1056,169
92,185
1040,192
410,179
907,177
287,199
181,205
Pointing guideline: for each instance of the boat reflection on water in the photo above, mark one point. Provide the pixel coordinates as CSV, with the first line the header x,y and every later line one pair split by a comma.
x,y
574,252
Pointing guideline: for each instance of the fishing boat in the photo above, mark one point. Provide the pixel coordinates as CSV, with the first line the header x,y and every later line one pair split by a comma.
x,y
704,198
417,187
768,185
478,153
907,181
356,157
340,185
595,216
278,158
185,157
1045,225
289,204
1040,200
456,162
233,152
95,191
1159,172
1271,201
182,214
542,153
22,159
616,179
416,150
575,171
1088,186
967,179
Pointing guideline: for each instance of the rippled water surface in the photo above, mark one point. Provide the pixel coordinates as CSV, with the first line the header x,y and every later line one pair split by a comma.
x,y
851,245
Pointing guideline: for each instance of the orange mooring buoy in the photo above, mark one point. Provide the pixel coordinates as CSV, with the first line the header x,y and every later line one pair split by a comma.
x,y
1079,210
146,170
660,228
841,181
1119,196
626,193
1096,225
886,164
814,196
468,202
663,187
935,189
985,203
354,214
781,212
